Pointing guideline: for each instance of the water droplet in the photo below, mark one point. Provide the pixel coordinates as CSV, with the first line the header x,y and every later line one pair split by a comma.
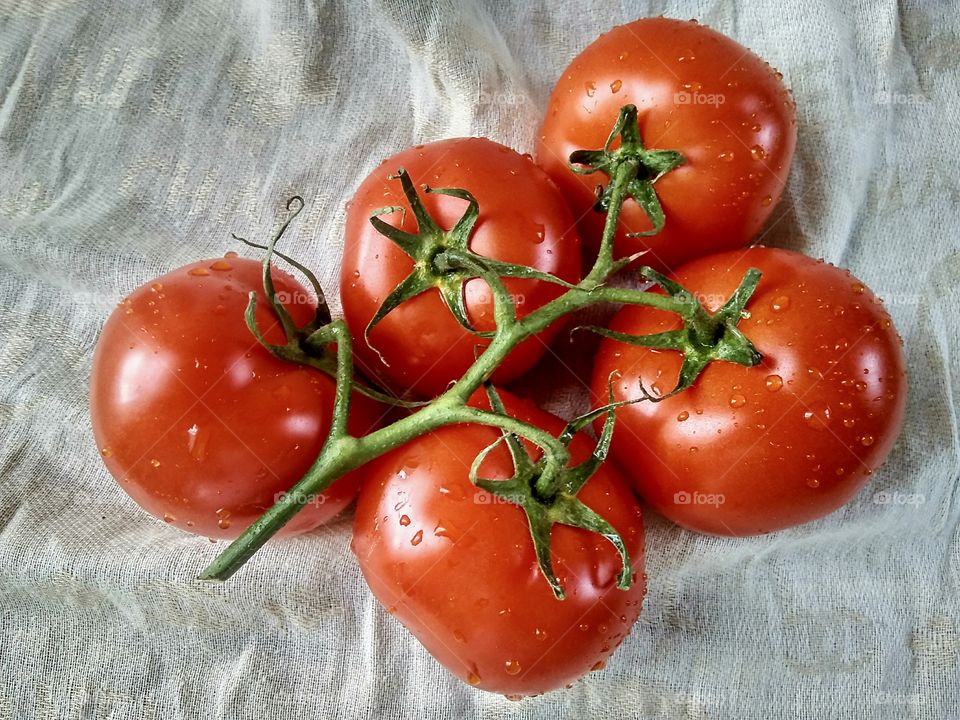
x,y
866,440
540,634
584,627
197,442
683,416
458,636
773,383
512,667
615,86
849,422
780,303
598,665
221,265
726,156
473,679
757,152
230,254
623,56
155,463
156,287
404,520
858,288
106,452
737,400
817,417
766,200
198,272
686,56
416,539
223,519
590,87
168,518
813,482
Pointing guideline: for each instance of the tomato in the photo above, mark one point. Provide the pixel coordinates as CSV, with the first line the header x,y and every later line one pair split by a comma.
x,y
523,220
198,423
698,92
456,565
752,450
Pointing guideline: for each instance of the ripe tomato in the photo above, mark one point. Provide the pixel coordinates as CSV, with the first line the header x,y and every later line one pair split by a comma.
x,y
199,424
698,92
456,565
752,450
522,220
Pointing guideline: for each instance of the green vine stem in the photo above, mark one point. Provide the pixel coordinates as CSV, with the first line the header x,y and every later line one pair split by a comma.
x,y
444,261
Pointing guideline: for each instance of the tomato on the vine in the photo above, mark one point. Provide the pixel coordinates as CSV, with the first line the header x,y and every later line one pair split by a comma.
x,y
196,420
697,92
523,220
456,564
750,450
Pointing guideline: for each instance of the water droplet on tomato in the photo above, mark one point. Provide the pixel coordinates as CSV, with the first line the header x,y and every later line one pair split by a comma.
x,y
230,254
615,86
155,463
817,417
780,303
858,288
623,56
866,440
512,667
540,634
404,520
757,152
598,665
686,56
773,383
198,272
766,200
221,265
726,156
813,482
417,539
584,627
590,87
458,636
168,518
683,416
106,452
737,400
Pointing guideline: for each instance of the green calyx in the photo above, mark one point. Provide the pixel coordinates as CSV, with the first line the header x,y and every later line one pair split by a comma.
x,y
703,337
438,256
310,344
631,162
549,499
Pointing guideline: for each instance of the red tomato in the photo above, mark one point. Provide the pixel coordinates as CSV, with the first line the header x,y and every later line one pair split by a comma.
x,y
457,566
697,92
752,450
522,220
199,424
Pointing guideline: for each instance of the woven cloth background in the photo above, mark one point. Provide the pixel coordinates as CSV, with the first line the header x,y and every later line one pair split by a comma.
x,y
135,136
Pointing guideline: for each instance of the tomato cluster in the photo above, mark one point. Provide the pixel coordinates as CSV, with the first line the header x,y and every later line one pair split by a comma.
x,y
752,390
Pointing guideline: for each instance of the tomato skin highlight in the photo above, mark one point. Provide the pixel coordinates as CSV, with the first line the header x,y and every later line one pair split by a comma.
x,y
697,92
197,422
782,443
523,219
457,566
